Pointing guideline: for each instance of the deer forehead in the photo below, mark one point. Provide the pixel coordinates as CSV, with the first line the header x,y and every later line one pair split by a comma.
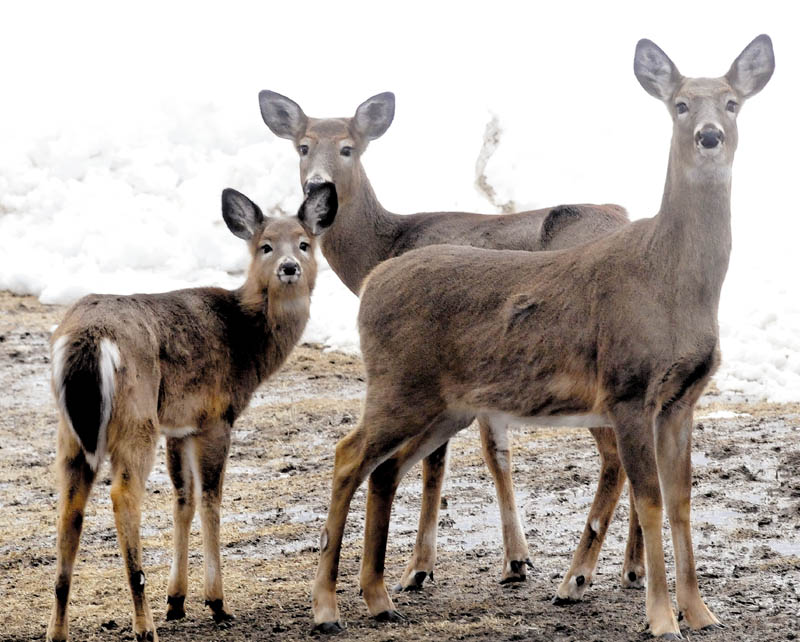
x,y
284,230
328,128
712,89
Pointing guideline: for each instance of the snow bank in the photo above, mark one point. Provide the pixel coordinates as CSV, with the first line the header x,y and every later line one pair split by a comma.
x,y
114,186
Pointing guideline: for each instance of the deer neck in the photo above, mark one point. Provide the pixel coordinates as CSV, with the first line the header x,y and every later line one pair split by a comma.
x,y
277,321
693,230
362,235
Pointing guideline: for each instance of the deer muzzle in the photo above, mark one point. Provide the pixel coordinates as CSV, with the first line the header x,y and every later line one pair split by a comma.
x,y
289,271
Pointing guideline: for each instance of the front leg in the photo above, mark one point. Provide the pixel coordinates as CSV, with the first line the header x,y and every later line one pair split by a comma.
x,y
420,566
634,427
673,449
211,453
181,464
497,455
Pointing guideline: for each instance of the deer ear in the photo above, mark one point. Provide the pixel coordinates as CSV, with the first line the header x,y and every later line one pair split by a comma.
x,y
751,71
282,115
374,116
318,211
655,71
242,216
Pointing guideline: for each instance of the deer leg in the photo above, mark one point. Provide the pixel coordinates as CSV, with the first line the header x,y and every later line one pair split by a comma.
x,y
130,468
420,566
633,569
210,458
382,486
609,488
348,472
180,464
75,478
673,449
635,440
497,455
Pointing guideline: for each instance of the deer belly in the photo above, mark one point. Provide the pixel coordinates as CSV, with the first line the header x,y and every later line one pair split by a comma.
x,y
583,420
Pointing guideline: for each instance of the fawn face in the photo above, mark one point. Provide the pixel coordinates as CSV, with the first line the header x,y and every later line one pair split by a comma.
x,y
283,261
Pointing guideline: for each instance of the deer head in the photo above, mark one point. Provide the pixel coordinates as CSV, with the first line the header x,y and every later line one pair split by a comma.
x,y
330,149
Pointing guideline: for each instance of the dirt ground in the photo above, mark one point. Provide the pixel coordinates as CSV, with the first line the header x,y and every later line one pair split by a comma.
x,y
746,520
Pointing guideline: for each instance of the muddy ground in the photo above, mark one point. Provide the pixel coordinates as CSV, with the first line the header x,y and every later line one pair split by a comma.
x,y
746,520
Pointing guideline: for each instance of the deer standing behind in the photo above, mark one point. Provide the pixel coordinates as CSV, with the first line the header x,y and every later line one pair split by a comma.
x,y
365,234
622,330
183,364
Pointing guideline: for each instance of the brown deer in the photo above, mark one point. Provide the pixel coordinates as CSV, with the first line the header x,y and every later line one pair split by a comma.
x,y
365,234
622,330
183,364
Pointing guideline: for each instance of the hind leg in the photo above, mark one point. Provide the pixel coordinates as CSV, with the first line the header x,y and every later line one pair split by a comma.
x,y
180,464
633,571
497,455
75,478
211,455
420,566
609,488
130,467
382,487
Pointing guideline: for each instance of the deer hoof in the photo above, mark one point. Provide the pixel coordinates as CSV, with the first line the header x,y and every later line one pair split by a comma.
x,y
517,571
714,626
175,608
389,616
328,628
145,636
633,580
415,583
563,601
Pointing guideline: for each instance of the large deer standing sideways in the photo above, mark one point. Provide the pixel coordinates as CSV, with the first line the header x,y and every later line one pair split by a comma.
x,y
623,330
184,364
365,234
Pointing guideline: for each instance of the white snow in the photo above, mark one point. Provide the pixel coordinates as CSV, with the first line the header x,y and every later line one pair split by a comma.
x,y
120,126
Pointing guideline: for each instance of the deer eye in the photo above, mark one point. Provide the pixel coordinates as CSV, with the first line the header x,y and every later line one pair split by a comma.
x,y
266,248
304,246
346,151
732,106
303,150
681,108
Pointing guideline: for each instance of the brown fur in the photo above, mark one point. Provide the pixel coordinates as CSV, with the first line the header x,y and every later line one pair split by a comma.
x,y
366,234
188,361
624,328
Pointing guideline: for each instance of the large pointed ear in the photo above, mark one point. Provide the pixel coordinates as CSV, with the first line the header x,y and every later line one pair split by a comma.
x,y
242,216
655,71
374,115
319,209
753,68
282,115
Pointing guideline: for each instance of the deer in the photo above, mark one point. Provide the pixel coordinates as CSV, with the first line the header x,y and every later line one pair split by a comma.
x,y
365,234
183,364
621,331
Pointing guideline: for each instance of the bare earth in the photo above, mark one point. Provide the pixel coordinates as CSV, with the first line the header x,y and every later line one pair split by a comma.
x,y
746,520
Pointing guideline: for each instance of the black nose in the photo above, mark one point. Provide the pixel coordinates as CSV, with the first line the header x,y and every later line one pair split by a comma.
x,y
710,138
289,268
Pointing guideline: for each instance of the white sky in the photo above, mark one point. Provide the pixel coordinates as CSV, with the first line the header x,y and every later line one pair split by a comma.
x,y
78,65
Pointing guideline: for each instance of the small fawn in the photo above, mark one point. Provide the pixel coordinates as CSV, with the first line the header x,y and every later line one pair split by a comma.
x,y
185,364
